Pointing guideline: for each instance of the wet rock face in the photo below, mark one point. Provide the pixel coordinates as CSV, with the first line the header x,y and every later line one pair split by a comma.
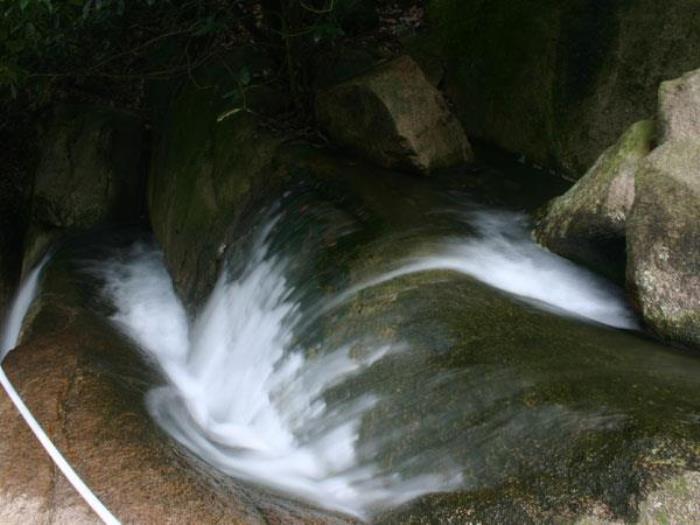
x,y
394,117
663,241
204,176
560,81
90,169
90,174
32,490
679,108
85,384
587,223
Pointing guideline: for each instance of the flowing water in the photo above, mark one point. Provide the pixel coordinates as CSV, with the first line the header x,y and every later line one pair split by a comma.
x,y
358,354
248,391
26,294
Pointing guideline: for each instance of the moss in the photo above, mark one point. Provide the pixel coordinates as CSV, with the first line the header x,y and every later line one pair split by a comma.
x,y
587,223
663,240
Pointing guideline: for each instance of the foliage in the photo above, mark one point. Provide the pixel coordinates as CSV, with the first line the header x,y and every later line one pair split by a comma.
x,y
49,46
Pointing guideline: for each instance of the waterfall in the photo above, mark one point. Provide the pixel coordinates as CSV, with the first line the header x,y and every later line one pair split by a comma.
x,y
24,298
242,394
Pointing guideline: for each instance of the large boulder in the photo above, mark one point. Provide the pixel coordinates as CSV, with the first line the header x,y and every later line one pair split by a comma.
x,y
547,418
679,108
663,241
394,117
587,223
90,170
90,173
550,420
560,81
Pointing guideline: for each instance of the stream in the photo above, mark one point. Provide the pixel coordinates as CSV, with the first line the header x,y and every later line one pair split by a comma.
x,y
357,359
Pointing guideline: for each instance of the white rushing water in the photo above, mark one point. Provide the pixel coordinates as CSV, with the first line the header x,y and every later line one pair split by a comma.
x,y
503,255
24,298
240,394
245,398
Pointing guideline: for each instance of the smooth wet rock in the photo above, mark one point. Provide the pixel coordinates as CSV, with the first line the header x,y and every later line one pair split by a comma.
x,y
549,418
394,117
90,170
679,108
663,242
587,223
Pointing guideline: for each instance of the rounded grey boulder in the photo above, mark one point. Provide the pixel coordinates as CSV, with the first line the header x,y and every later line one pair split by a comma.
x,y
395,118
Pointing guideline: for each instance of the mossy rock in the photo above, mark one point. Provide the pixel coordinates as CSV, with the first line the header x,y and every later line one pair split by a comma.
x,y
587,223
547,419
663,242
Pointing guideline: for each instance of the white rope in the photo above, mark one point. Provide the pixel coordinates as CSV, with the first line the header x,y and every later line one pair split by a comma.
x,y
9,340
72,476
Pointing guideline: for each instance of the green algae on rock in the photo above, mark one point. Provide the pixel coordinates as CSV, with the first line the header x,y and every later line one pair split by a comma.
x,y
548,419
587,223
